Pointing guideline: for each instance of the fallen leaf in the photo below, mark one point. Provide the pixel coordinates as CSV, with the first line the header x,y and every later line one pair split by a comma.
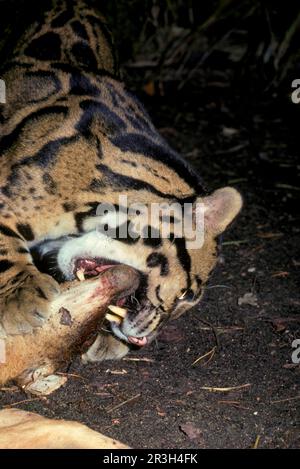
x,y
149,88
191,431
248,299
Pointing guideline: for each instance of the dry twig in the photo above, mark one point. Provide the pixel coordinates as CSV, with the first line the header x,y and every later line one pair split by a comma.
x,y
285,400
24,401
209,354
123,403
256,443
225,389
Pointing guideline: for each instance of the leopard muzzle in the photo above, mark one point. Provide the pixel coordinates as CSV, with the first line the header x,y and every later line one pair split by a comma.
x,y
135,321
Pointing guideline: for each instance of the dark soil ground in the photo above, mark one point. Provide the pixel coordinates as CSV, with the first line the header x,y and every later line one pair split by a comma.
x,y
159,397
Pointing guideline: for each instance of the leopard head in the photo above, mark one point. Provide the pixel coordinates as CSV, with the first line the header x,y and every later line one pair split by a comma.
x,y
173,269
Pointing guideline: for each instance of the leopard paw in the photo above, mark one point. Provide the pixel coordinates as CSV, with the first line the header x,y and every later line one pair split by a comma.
x,y
28,306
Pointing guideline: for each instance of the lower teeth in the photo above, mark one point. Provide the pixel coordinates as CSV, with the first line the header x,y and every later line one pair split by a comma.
x,y
113,318
117,310
80,275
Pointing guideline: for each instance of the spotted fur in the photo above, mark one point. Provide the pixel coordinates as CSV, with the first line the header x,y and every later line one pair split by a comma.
x,y
73,136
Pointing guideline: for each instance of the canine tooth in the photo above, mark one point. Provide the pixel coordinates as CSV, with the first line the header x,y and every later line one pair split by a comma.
x,y
80,275
113,318
117,310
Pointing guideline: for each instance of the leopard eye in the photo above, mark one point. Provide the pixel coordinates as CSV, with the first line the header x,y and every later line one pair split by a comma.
x,y
187,295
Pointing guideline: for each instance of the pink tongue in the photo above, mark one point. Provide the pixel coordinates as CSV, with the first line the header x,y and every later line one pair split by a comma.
x,y
140,341
121,302
104,267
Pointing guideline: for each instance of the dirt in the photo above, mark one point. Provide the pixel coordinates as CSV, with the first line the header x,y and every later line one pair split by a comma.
x,y
243,391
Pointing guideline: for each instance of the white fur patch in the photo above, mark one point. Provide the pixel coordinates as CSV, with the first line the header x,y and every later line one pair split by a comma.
x,y
96,244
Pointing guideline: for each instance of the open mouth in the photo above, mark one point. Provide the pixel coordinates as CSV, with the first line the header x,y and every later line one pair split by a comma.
x,y
116,317
85,268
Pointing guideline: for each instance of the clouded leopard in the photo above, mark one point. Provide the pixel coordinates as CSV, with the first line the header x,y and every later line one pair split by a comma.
x,y
72,139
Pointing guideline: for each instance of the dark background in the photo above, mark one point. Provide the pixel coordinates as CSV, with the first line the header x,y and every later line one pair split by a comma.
x,y
216,77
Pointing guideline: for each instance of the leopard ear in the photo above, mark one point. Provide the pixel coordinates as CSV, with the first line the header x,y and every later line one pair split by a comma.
x,y
220,208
